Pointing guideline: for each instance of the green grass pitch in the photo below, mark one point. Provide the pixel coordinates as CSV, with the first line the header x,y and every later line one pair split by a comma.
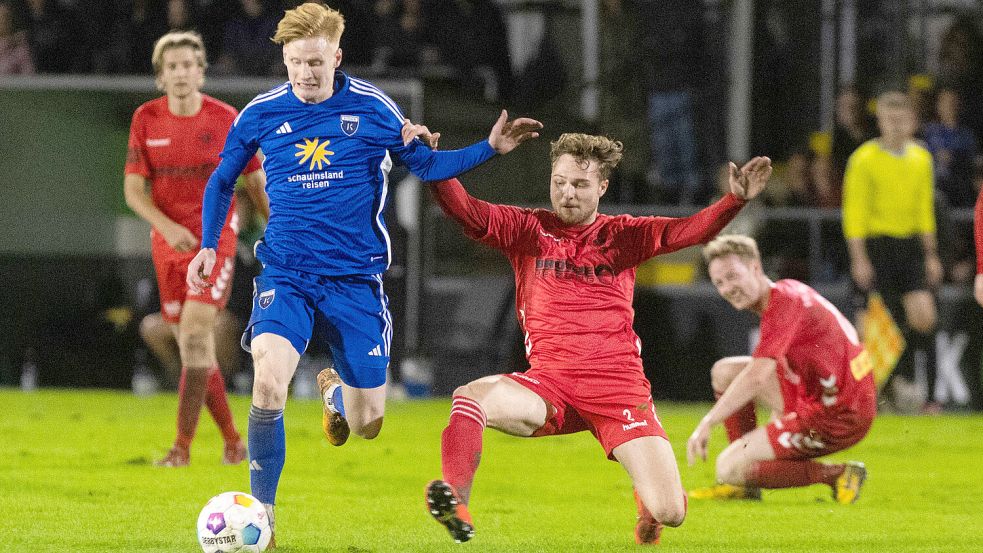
x,y
76,475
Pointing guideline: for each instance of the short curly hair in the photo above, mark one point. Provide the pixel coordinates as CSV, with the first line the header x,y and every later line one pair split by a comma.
x,y
585,147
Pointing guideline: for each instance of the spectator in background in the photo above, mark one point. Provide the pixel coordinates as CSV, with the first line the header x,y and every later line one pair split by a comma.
x,y
623,98
978,234
246,45
396,34
52,42
470,36
953,149
889,225
671,62
961,65
15,52
852,128
921,89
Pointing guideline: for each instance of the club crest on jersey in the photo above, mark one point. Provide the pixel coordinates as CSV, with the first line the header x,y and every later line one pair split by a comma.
x,y
266,298
349,124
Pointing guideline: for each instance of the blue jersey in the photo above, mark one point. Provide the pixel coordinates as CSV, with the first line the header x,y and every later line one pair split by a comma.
x,y
327,168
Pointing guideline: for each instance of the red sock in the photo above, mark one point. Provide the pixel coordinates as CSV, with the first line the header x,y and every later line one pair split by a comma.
x,y
792,474
218,406
741,422
191,395
460,445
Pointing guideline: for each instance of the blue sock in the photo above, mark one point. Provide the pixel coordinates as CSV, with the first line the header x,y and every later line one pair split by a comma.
x,y
337,401
267,452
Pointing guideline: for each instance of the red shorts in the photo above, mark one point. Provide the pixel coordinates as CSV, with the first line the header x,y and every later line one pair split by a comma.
x,y
796,436
615,408
172,273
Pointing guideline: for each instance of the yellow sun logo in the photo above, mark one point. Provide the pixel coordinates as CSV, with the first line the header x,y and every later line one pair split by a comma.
x,y
314,151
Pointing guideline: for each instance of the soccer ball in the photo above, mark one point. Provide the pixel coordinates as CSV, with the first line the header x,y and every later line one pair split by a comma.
x,y
234,522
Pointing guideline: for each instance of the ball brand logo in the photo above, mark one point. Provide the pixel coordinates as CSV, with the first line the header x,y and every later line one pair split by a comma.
x,y
314,151
216,523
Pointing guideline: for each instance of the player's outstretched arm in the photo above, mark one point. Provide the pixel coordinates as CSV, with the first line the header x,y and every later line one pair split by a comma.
x,y
506,135
748,181
200,271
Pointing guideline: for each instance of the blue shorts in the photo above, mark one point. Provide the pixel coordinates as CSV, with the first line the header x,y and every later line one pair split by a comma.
x,y
350,313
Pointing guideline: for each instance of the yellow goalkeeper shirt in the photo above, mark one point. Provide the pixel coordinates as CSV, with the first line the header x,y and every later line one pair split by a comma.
x,y
886,194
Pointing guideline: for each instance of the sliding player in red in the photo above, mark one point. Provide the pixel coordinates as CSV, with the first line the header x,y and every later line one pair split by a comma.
x,y
175,141
575,279
809,368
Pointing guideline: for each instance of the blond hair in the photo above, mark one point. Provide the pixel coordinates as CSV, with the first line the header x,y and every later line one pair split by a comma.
x,y
893,99
178,39
584,147
308,21
726,244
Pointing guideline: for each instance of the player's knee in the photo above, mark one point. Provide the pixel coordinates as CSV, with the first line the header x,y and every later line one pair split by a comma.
x,y
269,392
672,514
152,327
729,472
465,391
195,345
366,429
722,374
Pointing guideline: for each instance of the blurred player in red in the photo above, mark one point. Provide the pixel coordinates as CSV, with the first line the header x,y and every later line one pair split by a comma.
x,y
575,279
174,145
809,368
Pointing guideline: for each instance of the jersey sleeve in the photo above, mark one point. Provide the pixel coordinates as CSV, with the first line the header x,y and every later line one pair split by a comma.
x,y
136,152
926,203
856,198
420,158
779,325
240,148
497,226
651,236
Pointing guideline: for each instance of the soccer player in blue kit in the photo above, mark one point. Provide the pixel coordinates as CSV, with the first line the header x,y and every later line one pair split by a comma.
x,y
330,141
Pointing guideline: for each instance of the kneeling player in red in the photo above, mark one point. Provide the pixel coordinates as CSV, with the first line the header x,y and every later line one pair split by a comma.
x,y
809,368
575,278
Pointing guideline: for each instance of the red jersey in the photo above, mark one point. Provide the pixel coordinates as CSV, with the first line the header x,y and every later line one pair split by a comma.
x,y
817,349
575,284
177,154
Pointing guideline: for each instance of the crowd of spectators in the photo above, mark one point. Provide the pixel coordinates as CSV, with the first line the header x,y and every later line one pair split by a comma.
x,y
116,36
660,73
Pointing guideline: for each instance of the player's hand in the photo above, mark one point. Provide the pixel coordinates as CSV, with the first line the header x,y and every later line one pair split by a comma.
x,y
507,135
200,270
696,446
748,181
411,131
863,274
978,289
933,270
179,238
